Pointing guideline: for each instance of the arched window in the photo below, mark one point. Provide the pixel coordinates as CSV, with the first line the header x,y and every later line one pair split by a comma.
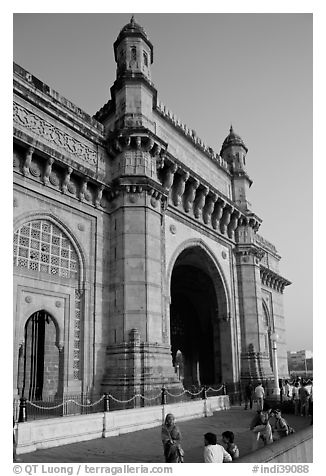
x,y
145,58
41,246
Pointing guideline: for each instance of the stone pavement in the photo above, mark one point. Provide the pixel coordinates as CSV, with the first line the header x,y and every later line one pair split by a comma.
x,y
145,446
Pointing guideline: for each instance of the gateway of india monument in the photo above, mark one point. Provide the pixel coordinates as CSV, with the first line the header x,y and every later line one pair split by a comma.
x,y
137,258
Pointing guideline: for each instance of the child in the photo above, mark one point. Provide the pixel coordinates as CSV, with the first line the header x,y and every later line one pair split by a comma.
x,y
231,448
281,426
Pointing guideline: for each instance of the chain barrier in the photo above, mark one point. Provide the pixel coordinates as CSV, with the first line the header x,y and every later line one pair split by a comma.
x,y
215,389
163,393
64,403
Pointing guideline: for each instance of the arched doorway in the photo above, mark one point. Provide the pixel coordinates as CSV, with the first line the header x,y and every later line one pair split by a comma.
x,y
198,303
40,363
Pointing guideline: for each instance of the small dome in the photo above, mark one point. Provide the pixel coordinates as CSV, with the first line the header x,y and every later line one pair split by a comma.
x,y
233,139
132,27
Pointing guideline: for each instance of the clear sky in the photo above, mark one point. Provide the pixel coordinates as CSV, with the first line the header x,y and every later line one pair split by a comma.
x,y
211,70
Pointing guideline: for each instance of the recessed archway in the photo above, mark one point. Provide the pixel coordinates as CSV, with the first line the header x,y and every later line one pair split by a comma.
x,y
198,305
40,363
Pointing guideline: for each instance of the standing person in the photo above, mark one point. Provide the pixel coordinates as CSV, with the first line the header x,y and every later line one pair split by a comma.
x,y
230,446
259,396
248,394
287,391
171,439
296,398
261,428
304,400
214,453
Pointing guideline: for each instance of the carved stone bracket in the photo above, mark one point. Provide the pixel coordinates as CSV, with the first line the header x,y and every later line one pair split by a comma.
x,y
190,194
179,187
209,207
169,176
218,212
28,160
200,201
138,142
99,195
226,217
233,223
48,170
66,180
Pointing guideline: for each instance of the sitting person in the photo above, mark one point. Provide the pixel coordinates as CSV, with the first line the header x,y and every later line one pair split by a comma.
x,y
261,428
214,453
230,446
281,426
171,438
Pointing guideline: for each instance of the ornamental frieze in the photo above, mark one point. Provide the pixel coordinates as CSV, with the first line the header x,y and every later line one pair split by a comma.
x,y
52,134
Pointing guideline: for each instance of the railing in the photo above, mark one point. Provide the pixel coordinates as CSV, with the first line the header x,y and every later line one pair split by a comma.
x,y
84,404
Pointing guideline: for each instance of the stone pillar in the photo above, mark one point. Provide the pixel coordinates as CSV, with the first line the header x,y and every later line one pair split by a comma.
x,y
136,269
254,363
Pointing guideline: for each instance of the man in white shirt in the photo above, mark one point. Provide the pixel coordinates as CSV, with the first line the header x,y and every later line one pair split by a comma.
x,y
214,453
259,396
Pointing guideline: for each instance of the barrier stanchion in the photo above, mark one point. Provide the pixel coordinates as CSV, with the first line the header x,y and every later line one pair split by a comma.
x,y
22,410
106,402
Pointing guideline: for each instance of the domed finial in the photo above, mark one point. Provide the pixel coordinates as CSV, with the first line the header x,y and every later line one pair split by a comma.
x,y
231,129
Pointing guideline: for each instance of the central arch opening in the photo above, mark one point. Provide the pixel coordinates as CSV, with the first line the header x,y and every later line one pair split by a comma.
x,y
195,311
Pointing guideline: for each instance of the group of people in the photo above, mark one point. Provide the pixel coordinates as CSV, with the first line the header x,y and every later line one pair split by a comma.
x,y
213,452
264,429
300,396
297,394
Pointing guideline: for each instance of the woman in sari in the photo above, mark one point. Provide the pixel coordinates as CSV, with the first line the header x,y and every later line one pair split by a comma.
x,y
171,437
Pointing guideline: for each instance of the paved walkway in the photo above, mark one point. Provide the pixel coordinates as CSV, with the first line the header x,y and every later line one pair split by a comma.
x,y
145,446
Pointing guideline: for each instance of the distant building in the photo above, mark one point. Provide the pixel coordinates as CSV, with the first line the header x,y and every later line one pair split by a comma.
x,y
300,361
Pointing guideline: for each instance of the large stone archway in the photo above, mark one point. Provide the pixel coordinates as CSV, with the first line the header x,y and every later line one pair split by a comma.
x,y
200,333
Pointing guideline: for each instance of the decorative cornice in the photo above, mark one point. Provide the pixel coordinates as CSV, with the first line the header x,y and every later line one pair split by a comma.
x,y
273,280
249,250
52,135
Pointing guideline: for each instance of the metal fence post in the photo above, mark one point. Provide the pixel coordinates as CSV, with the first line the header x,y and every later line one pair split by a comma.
x,y
22,410
224,388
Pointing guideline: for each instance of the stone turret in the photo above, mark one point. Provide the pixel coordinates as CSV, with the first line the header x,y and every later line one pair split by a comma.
x,y
234,152
133,52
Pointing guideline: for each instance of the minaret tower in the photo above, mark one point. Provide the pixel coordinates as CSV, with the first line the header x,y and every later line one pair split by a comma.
x,y
254,363
139,359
